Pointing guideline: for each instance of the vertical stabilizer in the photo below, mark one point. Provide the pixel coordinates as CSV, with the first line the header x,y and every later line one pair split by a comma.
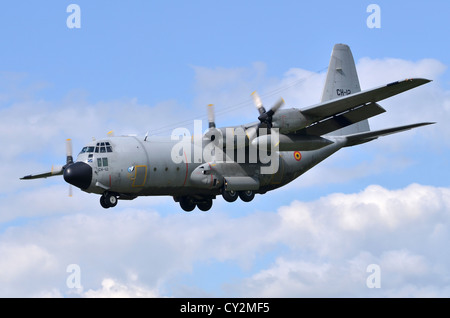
x,y
342,79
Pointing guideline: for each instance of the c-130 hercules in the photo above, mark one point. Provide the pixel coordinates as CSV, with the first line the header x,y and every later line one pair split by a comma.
x,y
236,161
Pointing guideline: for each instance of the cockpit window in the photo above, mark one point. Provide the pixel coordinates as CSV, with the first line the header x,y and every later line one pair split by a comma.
x,y
101,147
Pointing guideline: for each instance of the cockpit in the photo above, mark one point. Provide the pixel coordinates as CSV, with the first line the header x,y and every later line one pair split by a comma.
x,y
100,147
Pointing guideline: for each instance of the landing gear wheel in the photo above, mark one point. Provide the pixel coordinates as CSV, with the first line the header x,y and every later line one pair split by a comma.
x,y
187,204
103,203
206,205
108,200
111,200
247,195
229,196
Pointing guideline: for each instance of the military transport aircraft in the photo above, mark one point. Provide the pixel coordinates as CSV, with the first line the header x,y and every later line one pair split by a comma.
x,y
238,161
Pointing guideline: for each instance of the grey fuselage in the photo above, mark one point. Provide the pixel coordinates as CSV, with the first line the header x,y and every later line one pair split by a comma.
x,y
134,166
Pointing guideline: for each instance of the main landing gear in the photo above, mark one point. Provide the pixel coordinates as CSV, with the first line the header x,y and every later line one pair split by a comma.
x,y
108,200
188,203
231,196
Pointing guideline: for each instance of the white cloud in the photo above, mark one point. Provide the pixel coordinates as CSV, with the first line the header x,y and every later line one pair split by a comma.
x,y
375,208
318,248
22,265
19,260
335,238
113,289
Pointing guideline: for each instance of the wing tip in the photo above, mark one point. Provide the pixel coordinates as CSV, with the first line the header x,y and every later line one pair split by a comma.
x,y
417,81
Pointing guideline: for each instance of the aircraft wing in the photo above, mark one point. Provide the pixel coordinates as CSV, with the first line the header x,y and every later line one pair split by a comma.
x,y
359,138
342,104
56,171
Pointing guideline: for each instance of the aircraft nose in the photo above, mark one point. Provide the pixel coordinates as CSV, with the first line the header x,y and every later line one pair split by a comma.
x,y
78,174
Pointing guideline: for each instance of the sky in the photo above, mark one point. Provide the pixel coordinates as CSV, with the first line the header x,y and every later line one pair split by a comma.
x,y
152,66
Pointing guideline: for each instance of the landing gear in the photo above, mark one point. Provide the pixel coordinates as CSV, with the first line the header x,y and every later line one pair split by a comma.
x,y
108,200
247,195
230,196
205,205
187,204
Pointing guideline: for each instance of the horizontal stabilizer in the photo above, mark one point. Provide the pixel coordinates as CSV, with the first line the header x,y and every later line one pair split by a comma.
x,y
363,137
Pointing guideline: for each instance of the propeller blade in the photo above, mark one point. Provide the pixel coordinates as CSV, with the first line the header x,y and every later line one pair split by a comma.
x,y
211,121
251,133
69,158
258,103
70,190
275,107
56,170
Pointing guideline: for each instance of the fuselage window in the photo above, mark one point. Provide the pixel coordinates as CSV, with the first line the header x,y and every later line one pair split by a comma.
x,y
102,162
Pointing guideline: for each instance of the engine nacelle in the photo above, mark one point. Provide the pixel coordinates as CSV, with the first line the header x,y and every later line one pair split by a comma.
x,y
240,183
205,177
289,120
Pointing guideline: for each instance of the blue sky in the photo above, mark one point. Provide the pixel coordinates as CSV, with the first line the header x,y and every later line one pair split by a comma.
x,y
142,65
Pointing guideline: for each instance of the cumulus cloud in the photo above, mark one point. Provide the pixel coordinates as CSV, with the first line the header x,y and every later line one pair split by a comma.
x,y
334,239
113,289
321,248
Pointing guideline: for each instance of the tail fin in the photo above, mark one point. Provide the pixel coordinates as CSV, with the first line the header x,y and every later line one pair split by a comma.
x,y
342,79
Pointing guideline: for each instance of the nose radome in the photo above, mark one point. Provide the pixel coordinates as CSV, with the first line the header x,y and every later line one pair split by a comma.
x,y
78,174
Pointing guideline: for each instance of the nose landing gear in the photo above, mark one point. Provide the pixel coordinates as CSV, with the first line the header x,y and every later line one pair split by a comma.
x,y
108,200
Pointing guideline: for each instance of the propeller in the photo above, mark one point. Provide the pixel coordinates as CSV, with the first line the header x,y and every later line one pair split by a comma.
x,y
265,117
211,121
258,103
69,160
213,134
